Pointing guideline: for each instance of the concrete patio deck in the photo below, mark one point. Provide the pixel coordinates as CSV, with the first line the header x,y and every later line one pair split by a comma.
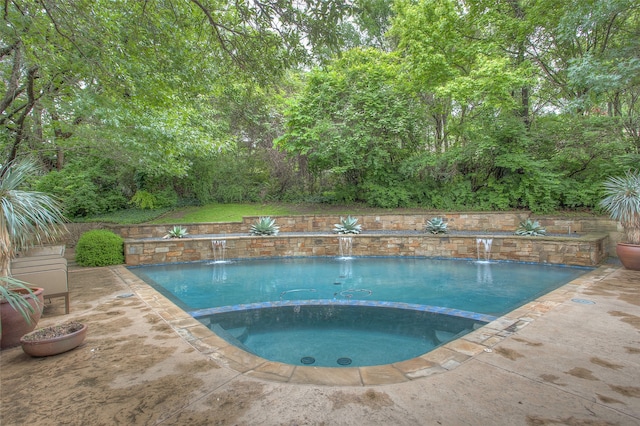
x,y
559,360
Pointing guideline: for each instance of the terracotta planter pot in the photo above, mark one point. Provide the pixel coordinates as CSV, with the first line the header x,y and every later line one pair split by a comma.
x,y
54,345
13,324
629,255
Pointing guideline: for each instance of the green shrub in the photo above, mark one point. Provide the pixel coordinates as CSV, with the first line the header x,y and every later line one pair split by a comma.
x,y
84,190
144,200
388,196
100,248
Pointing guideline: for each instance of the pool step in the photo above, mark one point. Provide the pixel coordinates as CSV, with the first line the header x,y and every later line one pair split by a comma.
x,y
444,336
226,335
447,336
240,333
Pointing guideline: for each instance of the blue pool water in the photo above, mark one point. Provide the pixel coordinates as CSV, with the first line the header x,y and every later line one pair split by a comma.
x,y
338,335
494,288
268,306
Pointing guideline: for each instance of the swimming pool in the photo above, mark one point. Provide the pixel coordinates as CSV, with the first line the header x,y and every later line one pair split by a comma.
x,y
265,305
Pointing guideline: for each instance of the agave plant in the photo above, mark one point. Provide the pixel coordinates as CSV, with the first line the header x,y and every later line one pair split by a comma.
x,y
348,226
530,228
264,226
436,226
176,232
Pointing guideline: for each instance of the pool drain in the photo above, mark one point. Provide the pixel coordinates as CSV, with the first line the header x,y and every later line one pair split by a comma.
x,y
307,360
344,361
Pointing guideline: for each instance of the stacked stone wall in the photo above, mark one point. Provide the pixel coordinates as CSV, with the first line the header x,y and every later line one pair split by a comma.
x,y
583,251
474,222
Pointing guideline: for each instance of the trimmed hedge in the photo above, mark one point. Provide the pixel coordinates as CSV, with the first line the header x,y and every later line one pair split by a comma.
x,y
100,248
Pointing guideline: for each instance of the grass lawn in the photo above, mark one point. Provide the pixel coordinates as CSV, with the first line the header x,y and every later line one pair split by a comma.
x,y
221,213
234,213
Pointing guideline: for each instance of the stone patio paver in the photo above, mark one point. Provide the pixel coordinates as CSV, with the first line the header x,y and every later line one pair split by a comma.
x,y
559,361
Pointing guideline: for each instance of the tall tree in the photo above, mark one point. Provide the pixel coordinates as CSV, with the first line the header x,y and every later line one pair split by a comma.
x,y
138,74
357,122
456,62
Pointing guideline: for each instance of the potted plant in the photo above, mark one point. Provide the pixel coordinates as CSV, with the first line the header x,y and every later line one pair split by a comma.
x,y
20,309
622,202
26,218
54,340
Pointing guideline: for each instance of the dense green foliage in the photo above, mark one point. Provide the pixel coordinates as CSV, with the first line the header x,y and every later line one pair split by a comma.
x,y
493,125
433,103
99,247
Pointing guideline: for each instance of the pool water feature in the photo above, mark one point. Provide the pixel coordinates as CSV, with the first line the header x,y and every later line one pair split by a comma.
x,y
485,244
345,245
219,248
251,302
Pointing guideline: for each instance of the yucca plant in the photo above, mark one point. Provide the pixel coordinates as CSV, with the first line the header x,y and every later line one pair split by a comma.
x,y
348,226
26,218
264,226
176,232
437,225
622,202
530,228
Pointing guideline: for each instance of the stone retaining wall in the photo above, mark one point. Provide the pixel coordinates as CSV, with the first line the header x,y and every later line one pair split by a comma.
x,y
476,221
588,250
141,248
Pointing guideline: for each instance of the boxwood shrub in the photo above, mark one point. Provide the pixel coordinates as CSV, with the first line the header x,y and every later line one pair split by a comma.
x,y
100,247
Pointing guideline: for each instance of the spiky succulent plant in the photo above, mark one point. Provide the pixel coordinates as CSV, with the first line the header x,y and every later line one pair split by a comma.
x,y
530,228
177,232
348,226
437,225
622,202
264,226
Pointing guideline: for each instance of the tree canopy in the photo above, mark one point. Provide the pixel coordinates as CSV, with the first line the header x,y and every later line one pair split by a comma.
x,y
435,103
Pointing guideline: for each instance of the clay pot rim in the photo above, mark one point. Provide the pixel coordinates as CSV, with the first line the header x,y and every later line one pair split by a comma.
x,y
37,291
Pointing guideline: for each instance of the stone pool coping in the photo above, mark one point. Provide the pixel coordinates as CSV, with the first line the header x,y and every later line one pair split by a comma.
x,y
441,359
